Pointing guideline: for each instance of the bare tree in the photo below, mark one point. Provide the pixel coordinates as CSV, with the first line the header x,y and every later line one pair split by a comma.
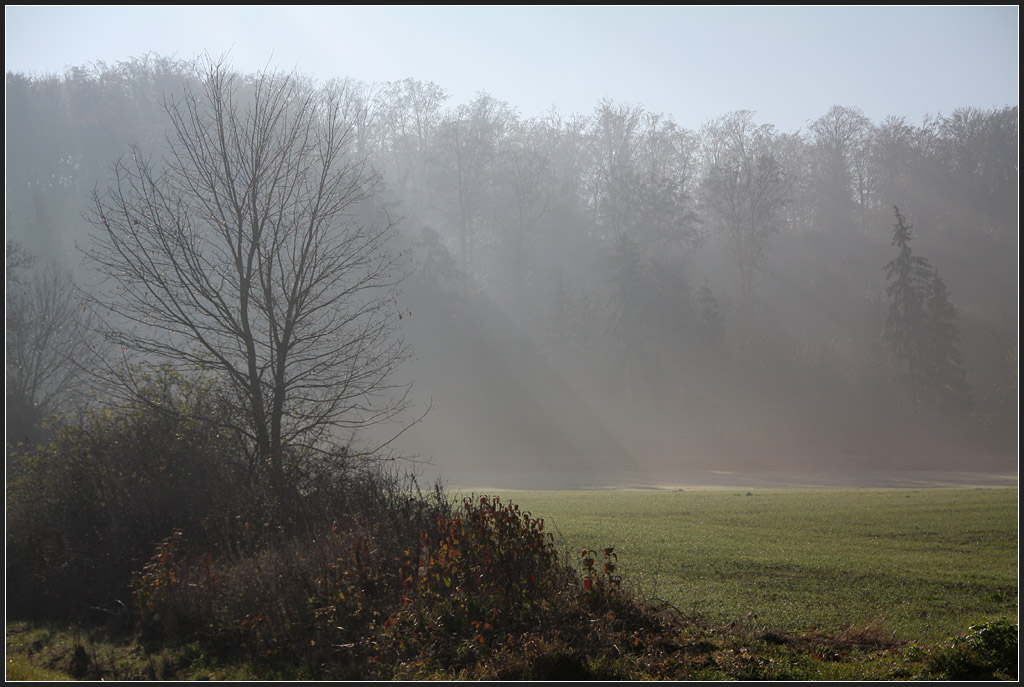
x,y
407,114
465,153
47,336
745,189
614,177
639,182
524,194
247,254
840,153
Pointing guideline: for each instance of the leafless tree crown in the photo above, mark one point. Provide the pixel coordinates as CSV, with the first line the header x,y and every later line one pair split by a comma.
x,y
249,253
46,339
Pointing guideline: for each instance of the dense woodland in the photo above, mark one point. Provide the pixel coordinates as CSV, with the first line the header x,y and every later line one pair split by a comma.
x,y
609,291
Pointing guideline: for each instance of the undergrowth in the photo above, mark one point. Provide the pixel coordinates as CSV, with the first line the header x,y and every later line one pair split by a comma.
x,y
435,591
138,550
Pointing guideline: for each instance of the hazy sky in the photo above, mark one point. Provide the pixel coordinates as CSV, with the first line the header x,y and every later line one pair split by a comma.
x,y
790,64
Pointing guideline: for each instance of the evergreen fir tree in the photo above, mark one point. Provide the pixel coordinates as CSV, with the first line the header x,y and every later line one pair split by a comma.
x,y
907,327
945,375
922,329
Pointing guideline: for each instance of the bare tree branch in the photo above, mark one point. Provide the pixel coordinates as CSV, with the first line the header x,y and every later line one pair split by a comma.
x,y
246,254
47,341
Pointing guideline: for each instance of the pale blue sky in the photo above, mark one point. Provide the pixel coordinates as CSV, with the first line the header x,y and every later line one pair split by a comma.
x,y
790,64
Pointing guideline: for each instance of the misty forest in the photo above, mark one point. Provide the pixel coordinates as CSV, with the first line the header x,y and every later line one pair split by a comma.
x,y
290,292
607,291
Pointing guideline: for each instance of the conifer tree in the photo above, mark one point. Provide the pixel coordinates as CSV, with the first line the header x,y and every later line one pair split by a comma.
x,y
922,329
945,375
906,329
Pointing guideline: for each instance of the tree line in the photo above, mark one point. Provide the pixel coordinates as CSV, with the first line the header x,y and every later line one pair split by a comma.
x,y
691,274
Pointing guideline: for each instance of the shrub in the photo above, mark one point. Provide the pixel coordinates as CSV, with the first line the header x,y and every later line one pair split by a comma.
x,y
418,578
986,651
488,554
85,508
291,598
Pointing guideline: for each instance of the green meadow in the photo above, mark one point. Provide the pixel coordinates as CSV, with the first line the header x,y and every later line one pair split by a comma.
x,y
922,564
782,584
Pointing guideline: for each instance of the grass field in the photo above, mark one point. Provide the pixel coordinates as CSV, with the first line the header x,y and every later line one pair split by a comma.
x,y
923,563
785,584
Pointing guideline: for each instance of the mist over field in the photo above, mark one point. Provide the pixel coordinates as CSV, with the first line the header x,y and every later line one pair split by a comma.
x,y
607,297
